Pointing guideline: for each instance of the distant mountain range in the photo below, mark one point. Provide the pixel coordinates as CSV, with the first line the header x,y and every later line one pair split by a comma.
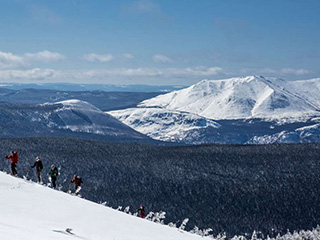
x,y
251,109
103,100
92,87
244,110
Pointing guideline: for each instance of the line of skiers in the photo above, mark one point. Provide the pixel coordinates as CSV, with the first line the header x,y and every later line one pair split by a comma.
x,y
53,172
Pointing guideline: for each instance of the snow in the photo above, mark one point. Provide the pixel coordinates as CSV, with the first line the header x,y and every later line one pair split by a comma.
x,y
30,211
308,133
81,116
77,104
241,98
308,89
188,115
162,124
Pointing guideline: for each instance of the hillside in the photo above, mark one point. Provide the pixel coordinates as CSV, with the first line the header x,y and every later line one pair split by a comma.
x,y
239,98
232,188
166,125
70,118
30,211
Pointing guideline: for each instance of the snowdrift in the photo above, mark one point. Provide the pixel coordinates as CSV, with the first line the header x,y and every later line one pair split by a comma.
x,y
31,211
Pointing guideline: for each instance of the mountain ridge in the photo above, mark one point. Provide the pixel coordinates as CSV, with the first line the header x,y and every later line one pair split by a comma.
x,y
250,103
236,98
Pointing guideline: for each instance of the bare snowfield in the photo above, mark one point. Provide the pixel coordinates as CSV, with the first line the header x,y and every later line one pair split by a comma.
x,y
33,211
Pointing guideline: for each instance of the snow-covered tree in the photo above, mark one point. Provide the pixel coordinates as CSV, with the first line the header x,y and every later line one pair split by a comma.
x,y
184,223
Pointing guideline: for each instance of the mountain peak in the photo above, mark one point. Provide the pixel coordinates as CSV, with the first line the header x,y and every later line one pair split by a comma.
x,y
236,98
78,104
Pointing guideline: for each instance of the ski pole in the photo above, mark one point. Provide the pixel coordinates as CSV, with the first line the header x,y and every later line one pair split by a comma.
x,y
69,191
28,172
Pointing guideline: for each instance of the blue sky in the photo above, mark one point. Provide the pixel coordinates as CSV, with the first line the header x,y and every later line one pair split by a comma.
x,y
157,42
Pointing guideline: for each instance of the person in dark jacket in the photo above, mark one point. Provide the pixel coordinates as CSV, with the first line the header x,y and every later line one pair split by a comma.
x,y
14,161
142,211
39,166
53,173
77,183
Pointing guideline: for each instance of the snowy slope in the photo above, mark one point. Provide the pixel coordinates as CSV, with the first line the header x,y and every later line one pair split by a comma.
x,y
237,98
305,134
80,116
308,89
165,125
72,118
30,211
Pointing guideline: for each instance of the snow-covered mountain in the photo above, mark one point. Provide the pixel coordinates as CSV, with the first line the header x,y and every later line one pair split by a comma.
x,y
239,98
80,116
72,118
308,133
307,89
251,109
30,211
166,125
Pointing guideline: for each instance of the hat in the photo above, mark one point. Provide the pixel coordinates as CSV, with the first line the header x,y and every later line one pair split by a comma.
x,y
37,158
52,166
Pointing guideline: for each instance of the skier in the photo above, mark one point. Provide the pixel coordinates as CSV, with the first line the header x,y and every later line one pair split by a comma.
x,y
14,160
39,166
53,173
77,183
142,211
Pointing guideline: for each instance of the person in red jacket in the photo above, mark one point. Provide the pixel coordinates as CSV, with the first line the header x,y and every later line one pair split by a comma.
x,y
14,160
142,211
77,183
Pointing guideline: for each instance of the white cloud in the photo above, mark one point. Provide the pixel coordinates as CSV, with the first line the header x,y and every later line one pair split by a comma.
x,y
162,59
128,56
113,75
199,71
152,72
275,72
290,71
9,60
44,56
92,57
31,74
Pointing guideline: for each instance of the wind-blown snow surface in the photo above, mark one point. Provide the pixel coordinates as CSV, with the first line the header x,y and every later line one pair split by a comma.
x,y
238,98
30,211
